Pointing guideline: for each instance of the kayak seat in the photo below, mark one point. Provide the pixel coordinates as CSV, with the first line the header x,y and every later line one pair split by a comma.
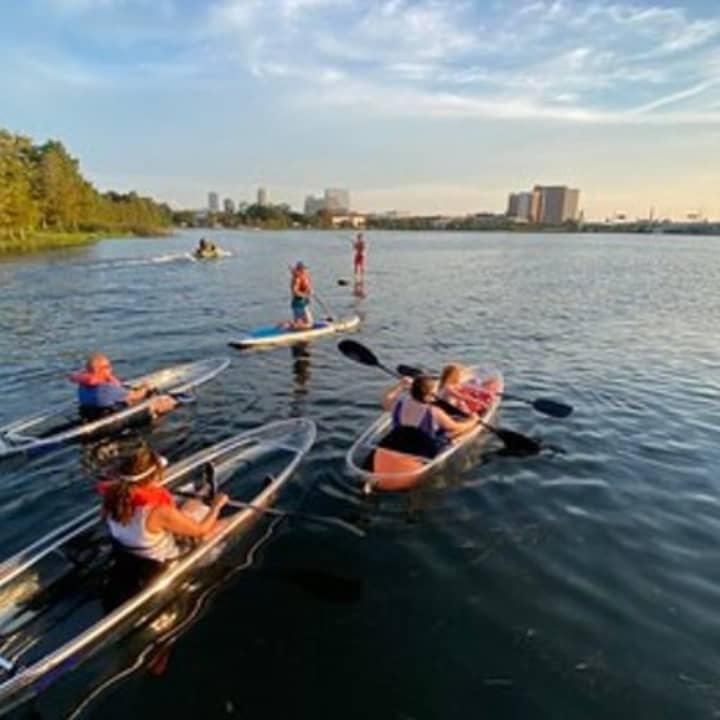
x,y
410,440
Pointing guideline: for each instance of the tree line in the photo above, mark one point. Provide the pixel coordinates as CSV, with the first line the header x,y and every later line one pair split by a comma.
x,y
43,190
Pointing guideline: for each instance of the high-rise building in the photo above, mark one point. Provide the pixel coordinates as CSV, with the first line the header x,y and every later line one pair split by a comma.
x,y
213,202
229,206
557,204
314,205
262,197
512,208
337,200
519,205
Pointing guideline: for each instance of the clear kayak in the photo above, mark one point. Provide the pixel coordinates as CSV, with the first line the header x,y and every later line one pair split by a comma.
x,y
61,597
62,424
279,335
404,471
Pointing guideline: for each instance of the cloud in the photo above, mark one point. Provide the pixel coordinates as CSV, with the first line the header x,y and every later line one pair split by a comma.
x,y
554,59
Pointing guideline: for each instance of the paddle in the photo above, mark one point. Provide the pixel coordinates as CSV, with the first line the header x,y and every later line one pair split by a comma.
x,y
515,443
542,405
324,307
342,282
322,519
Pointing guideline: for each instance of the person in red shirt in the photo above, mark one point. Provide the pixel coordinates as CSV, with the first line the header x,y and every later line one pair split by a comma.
x,y
360,248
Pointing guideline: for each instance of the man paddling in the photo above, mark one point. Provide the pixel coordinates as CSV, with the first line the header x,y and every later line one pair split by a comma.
x,y
101,393
301,295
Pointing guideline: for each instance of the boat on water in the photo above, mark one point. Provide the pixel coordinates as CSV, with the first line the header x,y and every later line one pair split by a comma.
x,y
280,335
408,470
58,603
56,426
213,254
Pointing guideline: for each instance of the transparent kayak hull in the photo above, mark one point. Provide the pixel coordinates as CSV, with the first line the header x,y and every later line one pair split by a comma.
x,y
56,426
57,603
412,470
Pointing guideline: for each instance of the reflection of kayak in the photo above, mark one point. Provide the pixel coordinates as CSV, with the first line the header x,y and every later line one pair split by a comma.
x,y
59,425
63,596
274,335
393,470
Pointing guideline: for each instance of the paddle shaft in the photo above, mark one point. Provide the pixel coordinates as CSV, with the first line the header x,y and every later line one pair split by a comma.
x,y
283,513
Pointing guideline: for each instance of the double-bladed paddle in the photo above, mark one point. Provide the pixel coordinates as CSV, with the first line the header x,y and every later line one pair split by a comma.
x,y
553,408
515,442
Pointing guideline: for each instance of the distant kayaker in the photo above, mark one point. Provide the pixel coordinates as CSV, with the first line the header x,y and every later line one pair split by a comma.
x,y
360,248
301,295
100,392
142,515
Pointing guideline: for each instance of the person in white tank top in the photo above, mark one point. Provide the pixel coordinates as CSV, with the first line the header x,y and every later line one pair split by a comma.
x,y
142,515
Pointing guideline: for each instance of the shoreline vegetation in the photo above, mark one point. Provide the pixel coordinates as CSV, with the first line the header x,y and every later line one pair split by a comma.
x,y
45,202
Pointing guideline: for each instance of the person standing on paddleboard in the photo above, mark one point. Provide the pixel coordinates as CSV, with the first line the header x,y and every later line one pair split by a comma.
x,y
360,248
300,296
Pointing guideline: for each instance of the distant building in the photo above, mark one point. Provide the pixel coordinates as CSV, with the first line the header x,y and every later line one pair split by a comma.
x,y
512,208
262,197
558,204
519,205
351,220
337,200
213,202
229,206
546,204
314,205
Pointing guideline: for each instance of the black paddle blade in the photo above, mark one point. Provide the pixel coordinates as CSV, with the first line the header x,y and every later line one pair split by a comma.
x,y
358,352
342,282
517,444
410,371
552,408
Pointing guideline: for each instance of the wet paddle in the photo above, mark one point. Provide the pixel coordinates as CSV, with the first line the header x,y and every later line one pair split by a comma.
x,y
553,408
322,519
515,443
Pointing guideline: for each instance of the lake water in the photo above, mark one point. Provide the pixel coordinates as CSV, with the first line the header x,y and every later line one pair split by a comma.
x,y
580,583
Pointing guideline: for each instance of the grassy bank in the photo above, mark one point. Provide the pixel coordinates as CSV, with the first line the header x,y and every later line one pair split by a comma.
x,y
50,240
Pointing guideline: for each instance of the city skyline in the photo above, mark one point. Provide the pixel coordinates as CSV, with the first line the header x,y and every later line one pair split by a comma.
x,y
427,106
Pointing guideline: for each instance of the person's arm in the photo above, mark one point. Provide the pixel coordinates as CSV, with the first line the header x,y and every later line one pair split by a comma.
x,y
391,395
452,426
172,519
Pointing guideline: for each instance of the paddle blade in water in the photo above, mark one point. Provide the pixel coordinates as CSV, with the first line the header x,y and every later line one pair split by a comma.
x,y
342,282
517,444
552,408
358,352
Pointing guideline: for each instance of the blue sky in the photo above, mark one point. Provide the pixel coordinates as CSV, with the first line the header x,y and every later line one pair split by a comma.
x,y
416,105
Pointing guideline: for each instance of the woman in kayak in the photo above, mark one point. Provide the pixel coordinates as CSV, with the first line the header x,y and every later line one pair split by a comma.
x,y
142,516
101,393
360,249
418,426
301,294
456,389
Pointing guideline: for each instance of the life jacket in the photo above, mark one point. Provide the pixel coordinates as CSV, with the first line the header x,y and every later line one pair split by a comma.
x,y
422,438
301,282
88,378
135,537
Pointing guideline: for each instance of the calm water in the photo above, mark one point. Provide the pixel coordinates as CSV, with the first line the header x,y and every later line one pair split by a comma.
x,y
575,584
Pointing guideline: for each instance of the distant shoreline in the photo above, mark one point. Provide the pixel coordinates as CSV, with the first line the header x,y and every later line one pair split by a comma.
x,y
40,241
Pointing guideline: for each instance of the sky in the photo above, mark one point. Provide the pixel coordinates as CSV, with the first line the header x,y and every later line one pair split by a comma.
x,y
425,106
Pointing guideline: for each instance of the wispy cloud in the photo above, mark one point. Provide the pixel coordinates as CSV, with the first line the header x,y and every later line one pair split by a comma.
x,y
583,61
555,59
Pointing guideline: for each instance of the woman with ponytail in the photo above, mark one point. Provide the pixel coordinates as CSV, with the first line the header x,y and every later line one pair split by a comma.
x,y
142,515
